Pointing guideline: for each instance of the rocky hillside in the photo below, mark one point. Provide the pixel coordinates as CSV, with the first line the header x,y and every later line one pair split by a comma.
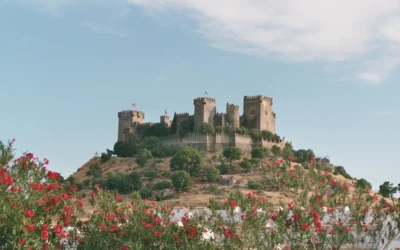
x,y
199,194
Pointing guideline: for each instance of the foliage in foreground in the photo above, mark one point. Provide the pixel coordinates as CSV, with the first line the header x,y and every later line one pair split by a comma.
x,y
35,210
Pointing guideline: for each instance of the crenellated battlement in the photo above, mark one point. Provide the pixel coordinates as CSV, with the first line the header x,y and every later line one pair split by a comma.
x,y
204,100
179,115
232,106
257,98
131,113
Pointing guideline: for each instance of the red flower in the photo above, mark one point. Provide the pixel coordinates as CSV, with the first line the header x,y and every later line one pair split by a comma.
x,y
118,198
233,204
296,217
228,233
45,232
124,248
158,234
305,227
192,233
30,228
346,187
111,217
21,241
29,214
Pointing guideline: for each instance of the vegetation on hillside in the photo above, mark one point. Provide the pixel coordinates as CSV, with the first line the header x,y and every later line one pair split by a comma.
x,y
36,209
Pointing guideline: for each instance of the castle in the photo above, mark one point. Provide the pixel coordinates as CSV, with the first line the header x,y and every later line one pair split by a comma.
x,y
257,116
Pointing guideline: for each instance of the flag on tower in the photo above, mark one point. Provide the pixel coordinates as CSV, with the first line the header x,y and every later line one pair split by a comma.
x,y
206,93
165,111
134,105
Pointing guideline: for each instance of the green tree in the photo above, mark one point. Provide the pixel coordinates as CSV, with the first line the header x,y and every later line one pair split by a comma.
x,y
363,184
188,159
213,174
173,128
260,152
388,190
157,130
232,153
276,150
181,180
303,155
206,129
288,151
143,156
186,127
124,149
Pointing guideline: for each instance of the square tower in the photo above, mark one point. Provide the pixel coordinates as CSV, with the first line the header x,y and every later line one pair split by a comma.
x,y
257,112
232,115
128,121
204,111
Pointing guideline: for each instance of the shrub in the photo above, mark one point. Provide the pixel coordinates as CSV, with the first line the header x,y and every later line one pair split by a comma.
x,y
162,185
288,151
181,180
259,152
145,192
255,185
124,149
213,189
363,184
213,174
223,169
86,183
246,165
143,156
303,155
124,184
150,174
94,170
106,156
340,170
232,153
276,150
189,159
206,129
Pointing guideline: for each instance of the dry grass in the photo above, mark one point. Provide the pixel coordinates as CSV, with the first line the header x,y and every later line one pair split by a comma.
x,y
199,196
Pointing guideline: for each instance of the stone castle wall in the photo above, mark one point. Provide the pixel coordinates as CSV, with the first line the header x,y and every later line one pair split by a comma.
x,y
217,142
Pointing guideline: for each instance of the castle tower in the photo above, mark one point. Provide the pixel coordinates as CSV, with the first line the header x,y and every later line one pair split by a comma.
x,y
257,112
164,119
128,122
204,111
232,115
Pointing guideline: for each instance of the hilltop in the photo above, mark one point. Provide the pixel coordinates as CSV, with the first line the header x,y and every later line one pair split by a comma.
x,y
158,170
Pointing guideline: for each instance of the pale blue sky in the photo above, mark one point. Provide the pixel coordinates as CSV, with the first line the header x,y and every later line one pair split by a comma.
x,y
68,67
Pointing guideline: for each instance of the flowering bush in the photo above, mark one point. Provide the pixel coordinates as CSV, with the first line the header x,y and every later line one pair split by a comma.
x,y
324,213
